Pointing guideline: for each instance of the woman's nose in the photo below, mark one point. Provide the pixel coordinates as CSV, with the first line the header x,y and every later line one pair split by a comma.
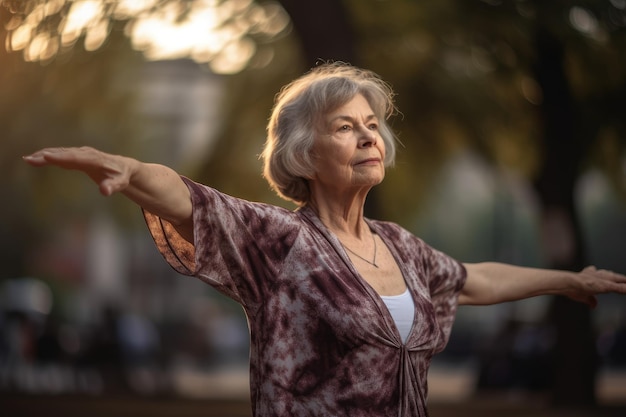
x,y
367,137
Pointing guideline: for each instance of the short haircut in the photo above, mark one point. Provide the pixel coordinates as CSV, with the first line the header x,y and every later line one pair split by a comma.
x,y
298,110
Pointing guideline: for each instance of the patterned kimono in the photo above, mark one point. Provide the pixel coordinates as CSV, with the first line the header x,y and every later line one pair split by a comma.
x,y
322,341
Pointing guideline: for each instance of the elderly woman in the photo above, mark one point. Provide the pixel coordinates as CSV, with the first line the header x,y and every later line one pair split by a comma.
x,y
345,312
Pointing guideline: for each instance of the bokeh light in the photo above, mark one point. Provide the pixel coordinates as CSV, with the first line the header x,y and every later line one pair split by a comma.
x,y
222,34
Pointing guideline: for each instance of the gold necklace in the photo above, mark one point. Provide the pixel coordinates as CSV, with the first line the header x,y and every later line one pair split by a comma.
x,y
372,262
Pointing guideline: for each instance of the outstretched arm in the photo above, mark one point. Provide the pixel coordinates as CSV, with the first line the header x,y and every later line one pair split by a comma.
x,y
492,283
156,188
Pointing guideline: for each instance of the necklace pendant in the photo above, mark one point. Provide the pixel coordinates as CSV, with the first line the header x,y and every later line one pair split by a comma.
x,y
373,261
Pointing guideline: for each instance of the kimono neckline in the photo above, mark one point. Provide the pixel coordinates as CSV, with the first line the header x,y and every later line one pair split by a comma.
x,y
314,219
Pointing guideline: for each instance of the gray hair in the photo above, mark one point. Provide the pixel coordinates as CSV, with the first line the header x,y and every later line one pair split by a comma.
x,y
298,110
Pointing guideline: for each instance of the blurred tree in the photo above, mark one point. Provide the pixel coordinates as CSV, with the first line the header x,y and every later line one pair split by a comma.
x,y
226,35
325,30
70,101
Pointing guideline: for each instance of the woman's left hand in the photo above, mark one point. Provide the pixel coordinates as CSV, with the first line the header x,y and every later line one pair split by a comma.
x,y
592,281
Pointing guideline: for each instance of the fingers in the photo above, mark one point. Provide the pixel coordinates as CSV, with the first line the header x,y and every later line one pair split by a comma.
x,y
37,158
109,186
63,157
583,297
605,274
105,170
46,156
613,275
602,281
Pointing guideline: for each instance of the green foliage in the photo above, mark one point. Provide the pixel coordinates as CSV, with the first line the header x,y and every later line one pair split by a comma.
x,y
464,74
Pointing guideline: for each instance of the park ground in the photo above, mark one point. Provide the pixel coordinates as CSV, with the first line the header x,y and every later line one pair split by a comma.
x,y
451,396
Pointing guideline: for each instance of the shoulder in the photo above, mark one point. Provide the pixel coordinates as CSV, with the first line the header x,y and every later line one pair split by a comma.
x,y
205,194
213,205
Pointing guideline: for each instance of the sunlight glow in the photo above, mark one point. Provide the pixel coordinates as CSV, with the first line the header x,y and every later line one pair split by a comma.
x,y
20,37
585,22
36,16
36,47
81,17
212,33
52,7
96,35
127,9
82,14
233,57
220,33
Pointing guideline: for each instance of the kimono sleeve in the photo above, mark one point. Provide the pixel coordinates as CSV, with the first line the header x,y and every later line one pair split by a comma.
x,y
447,278
238,245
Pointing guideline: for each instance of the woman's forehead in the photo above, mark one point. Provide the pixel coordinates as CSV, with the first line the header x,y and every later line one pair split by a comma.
x,y
358,104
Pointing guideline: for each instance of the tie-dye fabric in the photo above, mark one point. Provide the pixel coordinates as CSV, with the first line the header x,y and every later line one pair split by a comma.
x,y
322,341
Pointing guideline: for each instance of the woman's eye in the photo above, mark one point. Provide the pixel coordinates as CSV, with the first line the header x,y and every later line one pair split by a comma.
x,y
345,128
373,126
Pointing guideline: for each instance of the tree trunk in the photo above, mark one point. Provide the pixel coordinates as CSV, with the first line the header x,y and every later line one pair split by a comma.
x,y
324,29
574,361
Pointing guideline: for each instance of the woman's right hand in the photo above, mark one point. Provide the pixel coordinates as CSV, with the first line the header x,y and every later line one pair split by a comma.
x,y
156,188
112,173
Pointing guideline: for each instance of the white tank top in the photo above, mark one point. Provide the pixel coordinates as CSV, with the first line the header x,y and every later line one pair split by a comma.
x,y
402,310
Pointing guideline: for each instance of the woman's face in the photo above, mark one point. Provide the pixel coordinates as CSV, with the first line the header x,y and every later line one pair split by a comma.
x,y
349,151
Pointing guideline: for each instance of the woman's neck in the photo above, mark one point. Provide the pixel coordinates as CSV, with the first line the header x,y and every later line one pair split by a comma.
x,y
344,217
